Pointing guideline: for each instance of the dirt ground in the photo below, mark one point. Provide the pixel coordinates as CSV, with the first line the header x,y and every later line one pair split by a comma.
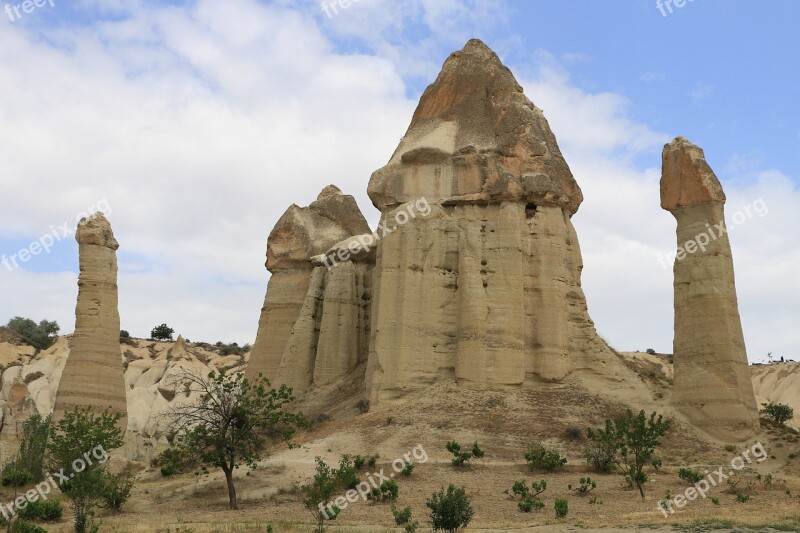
x,y
504,422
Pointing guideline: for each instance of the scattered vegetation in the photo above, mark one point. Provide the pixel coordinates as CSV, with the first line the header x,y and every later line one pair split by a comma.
x,y
574,434
634,439
162,333
386,492
450,510
690,475
529,497
362,405
233,423
584,487
562,508
460,458
319,491
90,437
540,457
651,351
403,518
44,510
777,412
125,338
41,336
232,348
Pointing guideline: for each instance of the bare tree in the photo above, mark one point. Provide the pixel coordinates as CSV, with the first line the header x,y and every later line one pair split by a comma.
x,y
232,421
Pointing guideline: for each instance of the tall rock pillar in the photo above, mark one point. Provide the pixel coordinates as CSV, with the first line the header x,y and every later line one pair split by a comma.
x,y
712,380
93,375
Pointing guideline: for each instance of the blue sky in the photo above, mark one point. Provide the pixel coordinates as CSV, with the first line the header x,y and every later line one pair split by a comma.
x,y
199,122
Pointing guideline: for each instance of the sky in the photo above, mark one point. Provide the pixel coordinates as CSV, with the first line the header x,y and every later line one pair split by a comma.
x,y
194,124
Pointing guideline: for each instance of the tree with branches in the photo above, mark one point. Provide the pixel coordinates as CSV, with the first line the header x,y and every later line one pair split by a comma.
x,y
232,421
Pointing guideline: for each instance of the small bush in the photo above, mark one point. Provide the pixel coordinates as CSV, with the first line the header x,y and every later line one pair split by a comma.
x,y
450,510
45,510
530,496
460,458
162,333
167,471
692,476
651,351
346,475
541,458
584,487
778,412
386,492
41,336
117,491
359,462
574,434
657,464
13,476
401,517
742,498
372,460
362,405
714,500
562,508
21,526
408,469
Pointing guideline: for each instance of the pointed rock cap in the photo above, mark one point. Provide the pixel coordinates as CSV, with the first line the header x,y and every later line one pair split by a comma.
x,y
304,232
476,137
686,178
96,230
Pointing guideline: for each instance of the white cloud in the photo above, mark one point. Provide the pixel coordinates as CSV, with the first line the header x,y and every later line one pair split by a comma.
x,y
201,129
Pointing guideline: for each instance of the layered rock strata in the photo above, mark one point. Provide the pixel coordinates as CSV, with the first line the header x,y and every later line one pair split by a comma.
x,y
93,373
713,385
314,322
486,288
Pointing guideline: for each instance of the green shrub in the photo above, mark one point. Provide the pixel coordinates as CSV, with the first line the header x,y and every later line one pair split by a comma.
x,y
633,439
562,508
21,526
656,463
372,460
45,510
450,510
742,498
403,518
778,412
460,458
13,476
574,434
117,491
346,475
408,469
584,487
651,351
162,333
41,336
386,492
529,496
541,458
692,476
167,471
714,500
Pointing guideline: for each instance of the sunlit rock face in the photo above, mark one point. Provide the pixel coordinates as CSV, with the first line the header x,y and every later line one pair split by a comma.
x,y
313,326
713,385
486,288
93,375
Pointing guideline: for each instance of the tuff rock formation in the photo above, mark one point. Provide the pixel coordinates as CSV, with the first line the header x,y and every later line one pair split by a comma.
x,y
486,288
712,380
476,263
314,323
93,374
